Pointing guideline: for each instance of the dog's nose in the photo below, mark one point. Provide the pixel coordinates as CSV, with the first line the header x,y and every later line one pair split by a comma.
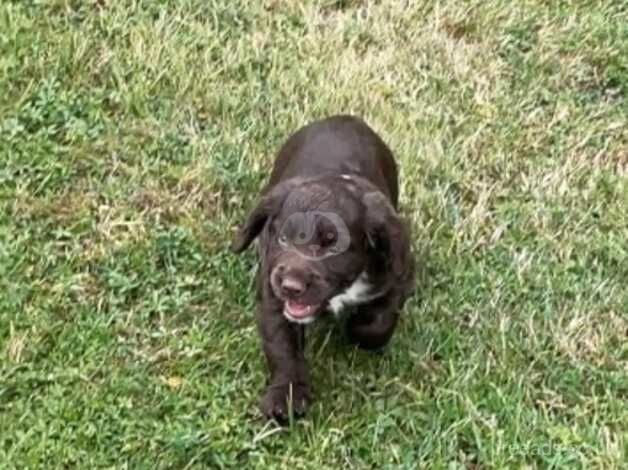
x,y
292,287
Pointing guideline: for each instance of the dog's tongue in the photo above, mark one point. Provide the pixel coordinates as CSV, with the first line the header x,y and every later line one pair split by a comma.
x,y
298,310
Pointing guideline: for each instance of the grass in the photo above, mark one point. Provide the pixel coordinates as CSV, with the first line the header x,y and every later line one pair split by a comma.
x,y
133,138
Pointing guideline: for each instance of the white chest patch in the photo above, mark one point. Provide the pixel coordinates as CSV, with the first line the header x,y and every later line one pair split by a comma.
x,y
360,292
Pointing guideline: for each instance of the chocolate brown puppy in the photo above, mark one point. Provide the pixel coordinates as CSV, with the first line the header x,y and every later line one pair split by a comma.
x,y
329,238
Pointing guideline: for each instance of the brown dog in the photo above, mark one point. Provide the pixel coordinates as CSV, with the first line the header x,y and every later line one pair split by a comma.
x,y
329,238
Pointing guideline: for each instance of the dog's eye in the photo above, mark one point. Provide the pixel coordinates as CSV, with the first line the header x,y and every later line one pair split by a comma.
x,y
283,239
328,238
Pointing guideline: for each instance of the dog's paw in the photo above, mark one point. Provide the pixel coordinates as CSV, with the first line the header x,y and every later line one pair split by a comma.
x,y
279,401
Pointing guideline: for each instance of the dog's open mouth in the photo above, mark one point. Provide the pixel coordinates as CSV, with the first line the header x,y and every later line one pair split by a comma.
x,y
300,312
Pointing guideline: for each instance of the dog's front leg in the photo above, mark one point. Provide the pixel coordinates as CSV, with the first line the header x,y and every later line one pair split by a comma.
x,y
372,326
283,344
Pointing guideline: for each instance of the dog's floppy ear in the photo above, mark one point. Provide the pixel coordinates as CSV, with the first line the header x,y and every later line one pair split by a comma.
x,y
268,205
386,233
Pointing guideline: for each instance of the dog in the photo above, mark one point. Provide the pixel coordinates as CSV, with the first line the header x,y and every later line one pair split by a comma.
x,y
329,240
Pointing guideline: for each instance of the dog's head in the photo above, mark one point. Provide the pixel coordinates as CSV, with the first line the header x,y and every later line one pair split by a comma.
x,y
318,235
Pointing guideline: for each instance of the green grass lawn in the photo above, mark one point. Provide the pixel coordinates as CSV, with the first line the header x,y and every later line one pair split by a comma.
x,y
134,136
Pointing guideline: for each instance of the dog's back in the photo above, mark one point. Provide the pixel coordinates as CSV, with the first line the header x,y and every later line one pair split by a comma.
x,y
341,144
